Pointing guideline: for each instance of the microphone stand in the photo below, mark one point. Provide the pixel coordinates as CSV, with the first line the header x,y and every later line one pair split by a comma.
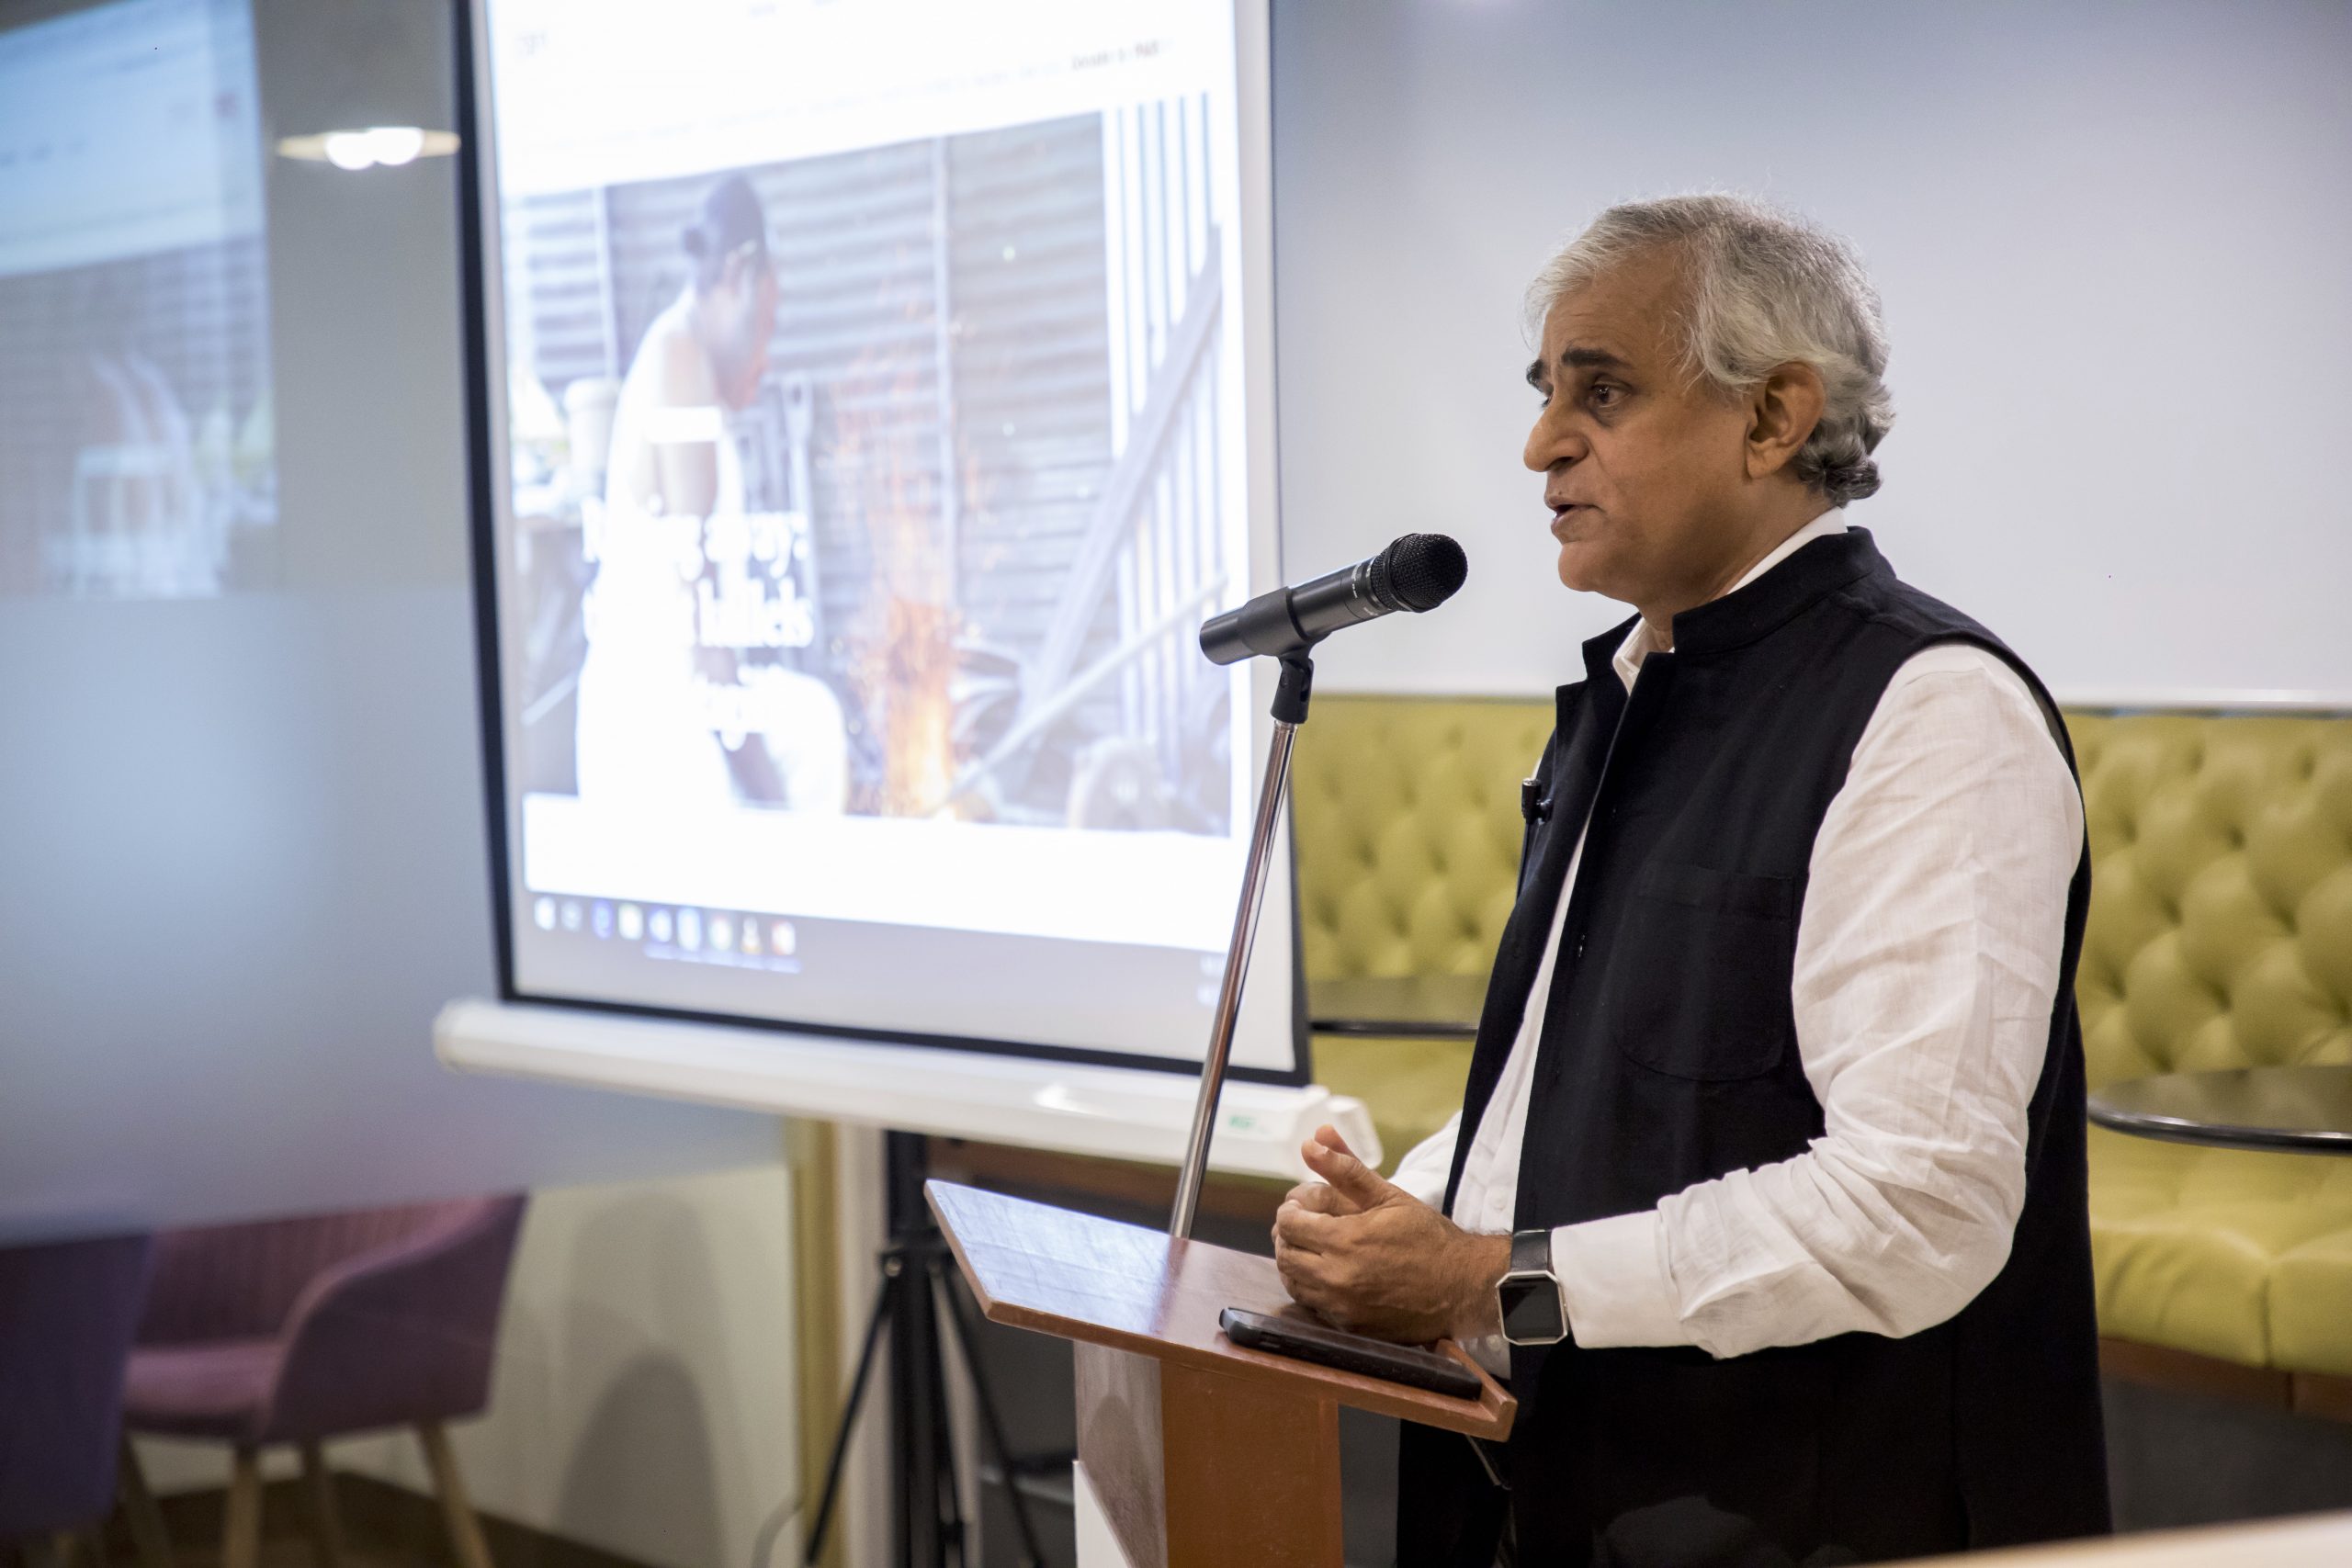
x,y
1291,694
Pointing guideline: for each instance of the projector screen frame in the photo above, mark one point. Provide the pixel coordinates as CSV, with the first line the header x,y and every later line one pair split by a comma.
x,y
484,350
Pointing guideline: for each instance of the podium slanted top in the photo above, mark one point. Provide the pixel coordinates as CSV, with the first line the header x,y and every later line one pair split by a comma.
x,y
1080,1277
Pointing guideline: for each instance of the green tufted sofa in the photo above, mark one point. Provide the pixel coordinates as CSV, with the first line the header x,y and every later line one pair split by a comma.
x,y
2221,935
1405,815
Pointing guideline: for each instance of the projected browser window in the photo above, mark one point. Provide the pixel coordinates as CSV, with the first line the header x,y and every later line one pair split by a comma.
x,y
137,455
875,433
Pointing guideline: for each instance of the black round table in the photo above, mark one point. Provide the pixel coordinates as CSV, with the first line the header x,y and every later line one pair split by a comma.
x,y
2308,1109
1427,1006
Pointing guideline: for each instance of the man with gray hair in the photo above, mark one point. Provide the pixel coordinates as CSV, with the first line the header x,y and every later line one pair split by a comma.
x,y
1768,1188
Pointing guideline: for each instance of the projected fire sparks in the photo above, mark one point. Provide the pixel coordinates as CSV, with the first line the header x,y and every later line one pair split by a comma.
x,y
902,650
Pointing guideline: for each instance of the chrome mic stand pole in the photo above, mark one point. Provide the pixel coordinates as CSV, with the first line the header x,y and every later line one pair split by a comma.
x,y
1290,711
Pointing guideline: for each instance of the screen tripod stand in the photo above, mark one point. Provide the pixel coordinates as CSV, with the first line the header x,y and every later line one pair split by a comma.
x,y
918,1273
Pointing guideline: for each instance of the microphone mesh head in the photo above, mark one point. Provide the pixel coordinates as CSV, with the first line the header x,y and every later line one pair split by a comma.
x,y
1419,572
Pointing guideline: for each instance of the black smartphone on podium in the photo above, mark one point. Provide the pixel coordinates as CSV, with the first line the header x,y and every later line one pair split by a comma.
x,y
1319,1342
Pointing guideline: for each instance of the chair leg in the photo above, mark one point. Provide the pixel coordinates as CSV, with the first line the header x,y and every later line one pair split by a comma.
x,y
318,1493
465,1530
241,1538
147,1533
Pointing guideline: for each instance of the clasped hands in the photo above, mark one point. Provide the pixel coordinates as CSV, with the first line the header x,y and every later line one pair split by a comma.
x,y
1373,1260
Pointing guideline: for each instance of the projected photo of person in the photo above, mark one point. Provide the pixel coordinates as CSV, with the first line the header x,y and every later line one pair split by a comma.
x,y
916,488
675,710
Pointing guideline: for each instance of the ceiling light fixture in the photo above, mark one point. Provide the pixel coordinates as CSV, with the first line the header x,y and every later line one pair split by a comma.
x,y
388,146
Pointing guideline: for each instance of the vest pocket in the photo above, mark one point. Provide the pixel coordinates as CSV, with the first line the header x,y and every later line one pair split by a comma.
x,y
1699,971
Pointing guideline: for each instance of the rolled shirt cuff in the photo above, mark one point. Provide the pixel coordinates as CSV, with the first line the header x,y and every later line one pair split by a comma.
x,y
1614,1273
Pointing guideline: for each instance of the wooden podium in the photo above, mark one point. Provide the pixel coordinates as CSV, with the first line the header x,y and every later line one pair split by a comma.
x,y
1198,1453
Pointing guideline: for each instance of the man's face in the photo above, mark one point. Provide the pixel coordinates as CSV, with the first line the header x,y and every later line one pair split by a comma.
x,y
1644,470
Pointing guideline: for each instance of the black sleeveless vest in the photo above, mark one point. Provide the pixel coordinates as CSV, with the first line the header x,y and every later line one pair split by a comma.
x,y
1669,1057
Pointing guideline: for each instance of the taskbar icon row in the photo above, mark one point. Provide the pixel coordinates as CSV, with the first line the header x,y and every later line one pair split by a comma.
x,y
680,930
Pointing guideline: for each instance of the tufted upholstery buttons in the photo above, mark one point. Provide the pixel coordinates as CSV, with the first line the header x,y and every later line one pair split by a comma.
x,y
1415,787
2222,879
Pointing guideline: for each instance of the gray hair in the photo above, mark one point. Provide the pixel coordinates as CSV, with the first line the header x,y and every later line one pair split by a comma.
x,y
1767,288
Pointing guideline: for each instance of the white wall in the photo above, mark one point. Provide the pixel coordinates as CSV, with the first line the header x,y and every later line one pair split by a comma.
x,y
2112,240
644,1398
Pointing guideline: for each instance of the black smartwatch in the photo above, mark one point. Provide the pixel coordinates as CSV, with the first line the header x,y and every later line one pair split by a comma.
x,y
1534,1307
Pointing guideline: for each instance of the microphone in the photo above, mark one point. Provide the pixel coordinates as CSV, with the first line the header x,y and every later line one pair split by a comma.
x,y
1418,572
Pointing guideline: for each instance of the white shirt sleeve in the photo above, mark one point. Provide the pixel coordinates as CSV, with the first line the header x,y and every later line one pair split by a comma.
x,y
1423,1170
1927,963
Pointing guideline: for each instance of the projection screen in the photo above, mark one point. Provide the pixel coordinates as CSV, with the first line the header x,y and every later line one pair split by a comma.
x,y
874,397
137,443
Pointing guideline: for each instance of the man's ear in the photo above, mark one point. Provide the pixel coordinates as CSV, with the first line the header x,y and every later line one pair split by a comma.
x,y
1782,412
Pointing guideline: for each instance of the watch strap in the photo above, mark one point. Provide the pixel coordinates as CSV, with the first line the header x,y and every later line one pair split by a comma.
x,y
1531,1252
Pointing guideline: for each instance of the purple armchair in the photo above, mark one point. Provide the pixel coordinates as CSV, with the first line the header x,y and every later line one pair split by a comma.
x,y
295,1331
66,1314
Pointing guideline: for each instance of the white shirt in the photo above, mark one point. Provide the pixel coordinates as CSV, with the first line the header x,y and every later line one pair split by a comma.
x,y
1927,963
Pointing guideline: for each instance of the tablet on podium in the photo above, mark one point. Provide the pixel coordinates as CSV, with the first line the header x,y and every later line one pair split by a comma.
x,y
1193,1452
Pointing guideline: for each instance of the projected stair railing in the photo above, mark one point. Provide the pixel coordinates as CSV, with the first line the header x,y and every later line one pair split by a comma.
x,y
1144,542
1151,560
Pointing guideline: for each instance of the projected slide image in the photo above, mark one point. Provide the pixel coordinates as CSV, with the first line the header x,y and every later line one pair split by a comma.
x,y
884,482
135,422
876,435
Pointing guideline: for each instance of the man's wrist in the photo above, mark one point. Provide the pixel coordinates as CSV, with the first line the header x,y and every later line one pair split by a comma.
x,y
1486,1260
